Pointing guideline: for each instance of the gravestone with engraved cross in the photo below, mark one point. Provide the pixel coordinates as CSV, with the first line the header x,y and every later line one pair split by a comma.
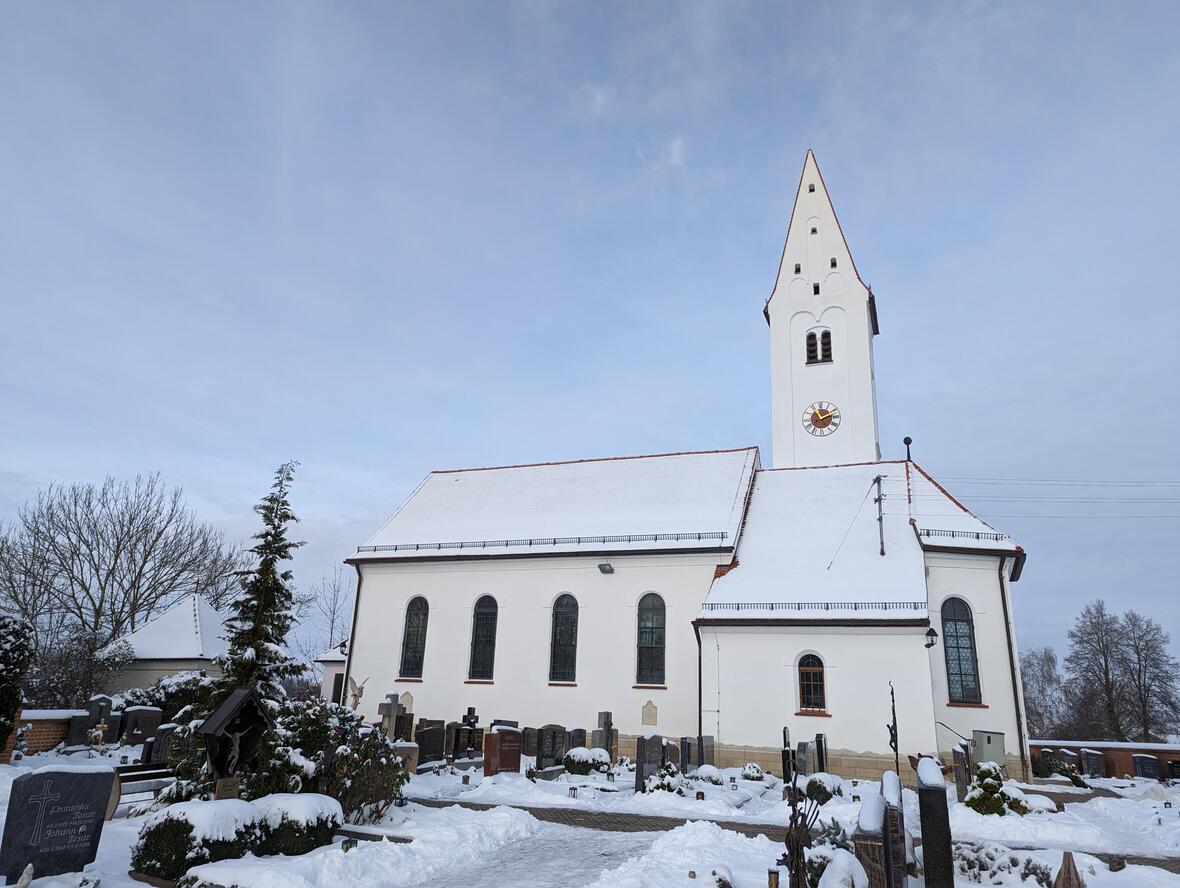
x,y
55,817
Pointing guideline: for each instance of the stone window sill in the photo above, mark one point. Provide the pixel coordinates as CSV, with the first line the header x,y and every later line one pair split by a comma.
x,y
479,681
815,713
563,684
651,687
969,705
407,678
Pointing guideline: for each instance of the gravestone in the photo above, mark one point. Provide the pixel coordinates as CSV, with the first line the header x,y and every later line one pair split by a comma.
x,y
78,732
1067,756
430,742
895,845
232,733
551,750
403,726
963,771
140,722
114,728
821,753
1146,766
577,737
805,758
605,736
706,750
649,758
1093,763
407,750
55,818
160,744
501,754
529,741
938,862
869,844
429,723
686,750
649,714
99,709
147,750
497,722
470,719
388,711
672,754
451,730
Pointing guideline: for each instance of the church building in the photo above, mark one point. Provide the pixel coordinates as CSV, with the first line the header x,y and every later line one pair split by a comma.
x,y
703,593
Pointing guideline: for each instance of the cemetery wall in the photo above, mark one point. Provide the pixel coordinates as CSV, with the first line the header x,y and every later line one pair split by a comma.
x,y
1117,756
975,580
751,686
145,673
525,590
47,728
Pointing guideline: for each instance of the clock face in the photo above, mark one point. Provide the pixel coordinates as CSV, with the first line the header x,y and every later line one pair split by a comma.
x,y
821,418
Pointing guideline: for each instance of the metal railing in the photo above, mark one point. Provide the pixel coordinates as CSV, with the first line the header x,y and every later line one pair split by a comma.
x,y
963,534
815,605
550,541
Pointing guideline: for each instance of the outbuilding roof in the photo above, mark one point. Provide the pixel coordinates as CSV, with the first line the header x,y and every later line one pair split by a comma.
x,y
191,629
656,503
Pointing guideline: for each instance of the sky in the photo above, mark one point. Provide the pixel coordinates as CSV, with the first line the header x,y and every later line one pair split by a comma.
x,y
382,238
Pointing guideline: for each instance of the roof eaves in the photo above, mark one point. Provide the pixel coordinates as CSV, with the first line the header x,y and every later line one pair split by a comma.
x,y
593,459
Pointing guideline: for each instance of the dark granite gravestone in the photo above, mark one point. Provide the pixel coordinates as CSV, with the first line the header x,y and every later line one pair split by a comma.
x,y
1093,763
449,746
501,754
99,708
429,723
232,732
114,728
160,744
938,862
1146,766
470,719
895,850
78,732
460,742
551,750
606,736
430,746
964,773
140,722
805,758
577,737
1067,756
55,817
706,750
496,722
649,758
821,753
529,740
687,746
147,750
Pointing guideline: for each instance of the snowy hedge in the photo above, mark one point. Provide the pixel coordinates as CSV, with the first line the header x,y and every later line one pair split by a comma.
x,y
191,833
172,694
752,772
667,779
988,795
581,760
709,774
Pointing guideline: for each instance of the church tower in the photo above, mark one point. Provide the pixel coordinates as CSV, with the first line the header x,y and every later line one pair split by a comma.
x,y
822,321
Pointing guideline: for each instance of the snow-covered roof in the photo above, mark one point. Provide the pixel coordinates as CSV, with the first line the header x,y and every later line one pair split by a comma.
x,y
664,502
189,630
331,655
811,547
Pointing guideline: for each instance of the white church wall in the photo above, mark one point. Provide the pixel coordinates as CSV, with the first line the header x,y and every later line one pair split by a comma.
x,y
525,590
751,688
975,579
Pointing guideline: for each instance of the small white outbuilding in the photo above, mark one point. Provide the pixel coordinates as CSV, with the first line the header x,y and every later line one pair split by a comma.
x,y
187,636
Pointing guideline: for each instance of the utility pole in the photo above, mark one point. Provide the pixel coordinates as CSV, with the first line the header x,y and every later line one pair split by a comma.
x,y
880,511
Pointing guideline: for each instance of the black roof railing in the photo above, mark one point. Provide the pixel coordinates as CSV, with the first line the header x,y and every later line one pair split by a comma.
x,y
963,534
550,541
815,605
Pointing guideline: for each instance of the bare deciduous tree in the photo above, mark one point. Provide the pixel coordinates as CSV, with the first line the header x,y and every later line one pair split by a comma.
x,y
1044,692
1149,675
1093,665
330,613
100,560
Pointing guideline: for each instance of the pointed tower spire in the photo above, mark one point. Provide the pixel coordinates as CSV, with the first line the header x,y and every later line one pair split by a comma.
x,y
822,320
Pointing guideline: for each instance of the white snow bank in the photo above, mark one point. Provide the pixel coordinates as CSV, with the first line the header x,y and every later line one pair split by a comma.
x,y
298,807
219,820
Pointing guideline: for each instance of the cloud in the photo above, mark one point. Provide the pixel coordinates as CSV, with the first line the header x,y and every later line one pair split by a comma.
x,y
671,156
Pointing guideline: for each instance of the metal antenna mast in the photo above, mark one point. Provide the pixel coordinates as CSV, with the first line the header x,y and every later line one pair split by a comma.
x,y
880,501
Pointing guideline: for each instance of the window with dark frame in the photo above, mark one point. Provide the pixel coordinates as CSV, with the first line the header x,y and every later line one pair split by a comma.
x,y
958,640
825,347
563,645
811,187
833,262
814,230
812,349
650,643
798,268
811,683
815,289
338,688
414,638
483,639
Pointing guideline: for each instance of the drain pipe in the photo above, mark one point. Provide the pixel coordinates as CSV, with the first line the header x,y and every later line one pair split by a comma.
x,y
700,686
1012,669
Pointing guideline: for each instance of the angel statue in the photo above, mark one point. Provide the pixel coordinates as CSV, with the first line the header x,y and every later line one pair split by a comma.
x,y
356,691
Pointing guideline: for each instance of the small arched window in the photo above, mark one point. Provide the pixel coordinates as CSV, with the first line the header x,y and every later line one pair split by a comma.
x,y
811,683
563,645
825,346
814,230
650,644
798,268
958,639
811,188
833,262
812,349
414,638
483,639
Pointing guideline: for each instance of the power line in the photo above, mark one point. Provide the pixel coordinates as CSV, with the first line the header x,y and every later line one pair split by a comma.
x,y
1078,481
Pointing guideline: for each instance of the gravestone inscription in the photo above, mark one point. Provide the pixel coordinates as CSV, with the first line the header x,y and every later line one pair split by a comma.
x,y
140,722
551,750
55,818
159,750
501,754
649,758
430,746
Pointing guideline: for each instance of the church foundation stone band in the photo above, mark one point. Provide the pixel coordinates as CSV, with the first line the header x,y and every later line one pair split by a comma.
x,y
725,593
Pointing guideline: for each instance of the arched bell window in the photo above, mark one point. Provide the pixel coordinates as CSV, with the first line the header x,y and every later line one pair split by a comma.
x,y
812,348
414,638
563,644
958,641
812,694
650,644
483,639
825,346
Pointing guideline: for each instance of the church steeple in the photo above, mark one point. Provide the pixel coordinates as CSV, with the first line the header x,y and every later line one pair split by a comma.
x,y
822,321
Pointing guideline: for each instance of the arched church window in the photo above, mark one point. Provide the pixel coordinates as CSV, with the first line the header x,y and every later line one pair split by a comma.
x,y
798,268
958,638
811,683
414,638
812,349
650,644
483,639
825,346
563,646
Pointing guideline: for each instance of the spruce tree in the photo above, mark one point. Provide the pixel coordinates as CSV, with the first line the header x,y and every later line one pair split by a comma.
x,y
260,615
